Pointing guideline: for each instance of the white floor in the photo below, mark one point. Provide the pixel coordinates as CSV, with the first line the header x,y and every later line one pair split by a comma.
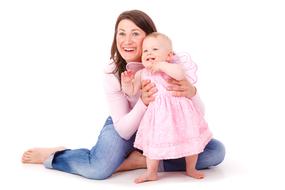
x,y
233,173
31,176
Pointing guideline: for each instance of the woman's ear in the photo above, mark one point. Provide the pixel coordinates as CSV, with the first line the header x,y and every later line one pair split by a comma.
x,y
170,56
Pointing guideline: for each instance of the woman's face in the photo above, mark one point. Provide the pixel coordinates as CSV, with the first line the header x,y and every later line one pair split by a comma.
x,y
129,39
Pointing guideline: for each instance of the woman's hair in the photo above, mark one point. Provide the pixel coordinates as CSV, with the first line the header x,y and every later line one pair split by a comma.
x,y
143,21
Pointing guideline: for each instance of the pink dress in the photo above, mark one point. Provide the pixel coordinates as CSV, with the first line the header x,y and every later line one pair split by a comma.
x,y
172,127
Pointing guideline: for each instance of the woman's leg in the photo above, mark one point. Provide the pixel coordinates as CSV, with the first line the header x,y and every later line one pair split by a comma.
x,y
213,154
98,163
134,161
101,161
39,155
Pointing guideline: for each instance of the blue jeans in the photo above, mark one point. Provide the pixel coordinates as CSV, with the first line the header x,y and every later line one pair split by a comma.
x,y
111,150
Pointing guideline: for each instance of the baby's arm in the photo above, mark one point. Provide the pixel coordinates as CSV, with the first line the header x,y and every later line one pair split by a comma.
x,y
173,70
130,82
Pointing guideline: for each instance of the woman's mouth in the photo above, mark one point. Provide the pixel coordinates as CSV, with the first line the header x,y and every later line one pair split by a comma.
x,y
128,49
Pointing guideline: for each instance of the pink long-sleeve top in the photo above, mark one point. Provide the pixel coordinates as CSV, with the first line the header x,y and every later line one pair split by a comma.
x,y
126,112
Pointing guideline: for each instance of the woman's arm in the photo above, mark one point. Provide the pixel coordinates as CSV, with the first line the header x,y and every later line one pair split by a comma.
x,y
184,88
125,119
181,88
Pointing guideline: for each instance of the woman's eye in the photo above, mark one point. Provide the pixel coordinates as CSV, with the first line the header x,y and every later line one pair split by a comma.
x,y
136,34
121,33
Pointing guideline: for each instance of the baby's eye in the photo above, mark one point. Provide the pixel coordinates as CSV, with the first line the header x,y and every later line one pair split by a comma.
x,y
155,49
145,51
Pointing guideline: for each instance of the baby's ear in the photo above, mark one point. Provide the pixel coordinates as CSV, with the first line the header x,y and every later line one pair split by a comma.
x,y
170,56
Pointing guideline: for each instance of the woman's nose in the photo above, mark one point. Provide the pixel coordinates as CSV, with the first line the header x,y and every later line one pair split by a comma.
x,y
128,39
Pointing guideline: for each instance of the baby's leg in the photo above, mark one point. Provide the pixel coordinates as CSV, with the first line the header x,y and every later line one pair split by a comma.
x,y
151,173
190,167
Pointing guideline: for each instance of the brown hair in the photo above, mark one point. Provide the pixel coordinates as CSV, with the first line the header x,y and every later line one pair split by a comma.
x,y
143,21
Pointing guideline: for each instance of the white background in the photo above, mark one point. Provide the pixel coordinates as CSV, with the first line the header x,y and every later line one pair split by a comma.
x,y
52,55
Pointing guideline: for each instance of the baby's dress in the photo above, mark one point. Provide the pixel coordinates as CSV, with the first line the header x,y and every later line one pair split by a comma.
x,y
172,127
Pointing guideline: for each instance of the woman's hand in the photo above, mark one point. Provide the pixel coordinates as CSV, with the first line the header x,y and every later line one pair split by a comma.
x,y
148,90
181,88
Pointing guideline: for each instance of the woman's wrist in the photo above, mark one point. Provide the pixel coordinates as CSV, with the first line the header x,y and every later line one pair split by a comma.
x,y
145,103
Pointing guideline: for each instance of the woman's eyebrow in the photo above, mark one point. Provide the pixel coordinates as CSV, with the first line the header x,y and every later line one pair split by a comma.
x,y
131,30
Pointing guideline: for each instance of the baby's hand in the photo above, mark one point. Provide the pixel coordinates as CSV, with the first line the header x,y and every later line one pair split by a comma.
x,y
127,77
156,67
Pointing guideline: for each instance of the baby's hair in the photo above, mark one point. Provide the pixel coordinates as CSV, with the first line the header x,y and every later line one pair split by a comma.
x,y
158,34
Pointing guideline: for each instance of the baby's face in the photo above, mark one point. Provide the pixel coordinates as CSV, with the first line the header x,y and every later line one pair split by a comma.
x,y
155,49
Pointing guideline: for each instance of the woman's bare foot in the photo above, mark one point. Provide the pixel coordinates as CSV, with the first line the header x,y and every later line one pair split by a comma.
x,y
39,155
195,174
134,161
146,177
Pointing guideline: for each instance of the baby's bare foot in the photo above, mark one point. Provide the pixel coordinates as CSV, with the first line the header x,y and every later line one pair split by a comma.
x,y
39,155
146,177
195,174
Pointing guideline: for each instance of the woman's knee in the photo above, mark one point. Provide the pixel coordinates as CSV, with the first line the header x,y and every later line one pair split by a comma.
x,y
220,152
97,173
109,152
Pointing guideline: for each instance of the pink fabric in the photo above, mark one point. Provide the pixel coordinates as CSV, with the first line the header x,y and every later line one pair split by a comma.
x,y
190,67
125,111
172,127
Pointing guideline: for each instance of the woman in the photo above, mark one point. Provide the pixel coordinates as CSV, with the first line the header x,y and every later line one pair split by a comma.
x,y
114,149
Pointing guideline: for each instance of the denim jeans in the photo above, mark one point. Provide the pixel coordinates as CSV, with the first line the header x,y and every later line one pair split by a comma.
x,y
111,150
